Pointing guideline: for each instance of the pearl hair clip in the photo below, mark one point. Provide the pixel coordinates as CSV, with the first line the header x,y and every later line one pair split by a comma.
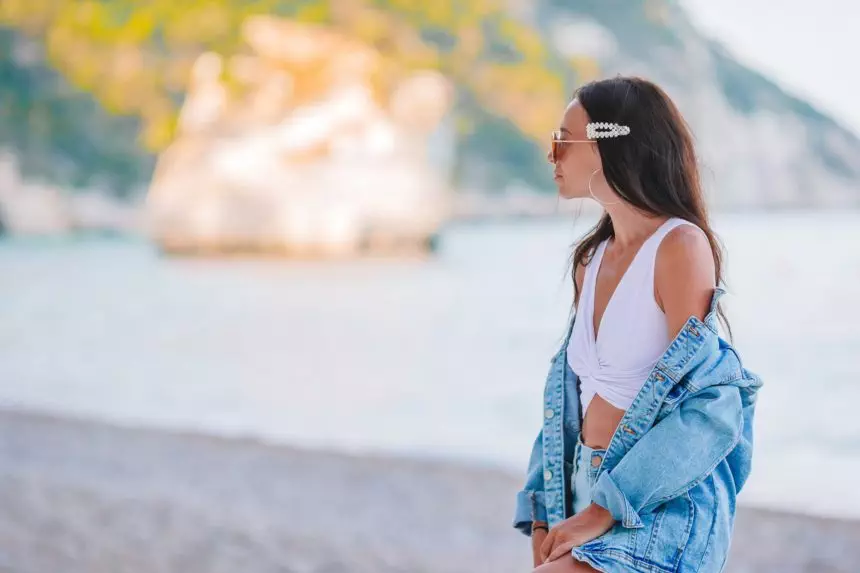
x,y
602,130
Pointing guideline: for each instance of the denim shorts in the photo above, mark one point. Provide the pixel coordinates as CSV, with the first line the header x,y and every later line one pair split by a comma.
x,y
586,462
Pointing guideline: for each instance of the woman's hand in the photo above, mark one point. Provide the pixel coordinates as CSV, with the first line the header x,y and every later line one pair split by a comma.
x,y
538,537
588,524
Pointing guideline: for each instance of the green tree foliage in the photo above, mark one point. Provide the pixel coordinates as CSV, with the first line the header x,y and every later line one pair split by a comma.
x,y
59,133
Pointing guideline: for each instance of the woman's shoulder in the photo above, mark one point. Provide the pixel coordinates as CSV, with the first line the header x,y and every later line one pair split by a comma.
x,y
684,246
578,281
684,275
580,269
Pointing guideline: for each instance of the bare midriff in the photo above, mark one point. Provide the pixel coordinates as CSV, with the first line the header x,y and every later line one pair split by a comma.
x,y
601,420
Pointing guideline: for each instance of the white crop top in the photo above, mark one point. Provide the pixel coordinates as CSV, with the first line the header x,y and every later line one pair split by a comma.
x,y
632,335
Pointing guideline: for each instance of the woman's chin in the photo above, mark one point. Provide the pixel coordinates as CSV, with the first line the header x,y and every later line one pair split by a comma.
x,y
567,194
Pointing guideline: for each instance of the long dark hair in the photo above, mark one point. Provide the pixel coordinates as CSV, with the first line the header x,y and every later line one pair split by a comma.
x,y
654,168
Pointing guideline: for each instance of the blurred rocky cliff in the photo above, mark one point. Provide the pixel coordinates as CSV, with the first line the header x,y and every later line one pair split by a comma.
x,y
304,152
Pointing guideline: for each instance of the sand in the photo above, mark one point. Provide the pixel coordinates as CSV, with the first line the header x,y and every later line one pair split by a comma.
x,y
79,496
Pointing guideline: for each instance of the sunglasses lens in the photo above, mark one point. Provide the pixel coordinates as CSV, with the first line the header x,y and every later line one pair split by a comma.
x,y
555,146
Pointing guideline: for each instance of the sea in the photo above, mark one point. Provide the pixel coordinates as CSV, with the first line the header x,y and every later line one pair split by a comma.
x,y
442,356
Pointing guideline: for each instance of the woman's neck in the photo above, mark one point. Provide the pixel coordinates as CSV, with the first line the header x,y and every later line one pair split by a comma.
x,y
632,226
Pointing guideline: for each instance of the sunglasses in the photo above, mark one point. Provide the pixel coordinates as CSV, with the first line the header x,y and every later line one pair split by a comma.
x,y
558,145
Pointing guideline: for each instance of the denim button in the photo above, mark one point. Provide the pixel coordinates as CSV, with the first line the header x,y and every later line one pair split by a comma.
x,y
595,460
548,413
547,475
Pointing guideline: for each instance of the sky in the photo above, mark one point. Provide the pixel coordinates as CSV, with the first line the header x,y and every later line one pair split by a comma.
x,y
811,49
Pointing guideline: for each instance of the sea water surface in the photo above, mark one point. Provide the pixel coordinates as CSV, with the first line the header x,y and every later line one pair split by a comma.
x,y
444,356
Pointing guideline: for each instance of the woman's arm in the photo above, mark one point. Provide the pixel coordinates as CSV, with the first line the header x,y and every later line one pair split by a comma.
x,y
684,447
673,456
530,506
684,276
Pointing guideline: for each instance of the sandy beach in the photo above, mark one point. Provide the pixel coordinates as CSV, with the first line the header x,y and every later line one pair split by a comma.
x,y
78,496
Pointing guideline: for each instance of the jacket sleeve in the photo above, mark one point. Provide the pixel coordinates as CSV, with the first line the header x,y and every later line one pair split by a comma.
x,y
530,505
673,456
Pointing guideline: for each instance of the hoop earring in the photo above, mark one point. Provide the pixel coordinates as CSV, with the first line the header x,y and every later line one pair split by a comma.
x,y
592,192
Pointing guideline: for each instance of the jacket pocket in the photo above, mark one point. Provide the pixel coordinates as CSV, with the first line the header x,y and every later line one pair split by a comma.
x,y
662,540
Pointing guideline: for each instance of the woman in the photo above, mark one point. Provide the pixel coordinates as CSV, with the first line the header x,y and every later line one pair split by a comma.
x,y
647,430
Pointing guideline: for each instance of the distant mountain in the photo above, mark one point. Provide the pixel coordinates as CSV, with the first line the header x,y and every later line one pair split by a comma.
x,y
69,121
759,145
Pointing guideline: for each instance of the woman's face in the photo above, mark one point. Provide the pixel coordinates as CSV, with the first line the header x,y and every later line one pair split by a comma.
x,y
574,162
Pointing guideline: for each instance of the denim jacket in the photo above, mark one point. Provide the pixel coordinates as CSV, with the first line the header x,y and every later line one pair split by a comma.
x,y
674,466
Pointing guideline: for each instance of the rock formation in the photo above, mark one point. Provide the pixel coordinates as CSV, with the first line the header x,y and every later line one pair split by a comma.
x,y
304,146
